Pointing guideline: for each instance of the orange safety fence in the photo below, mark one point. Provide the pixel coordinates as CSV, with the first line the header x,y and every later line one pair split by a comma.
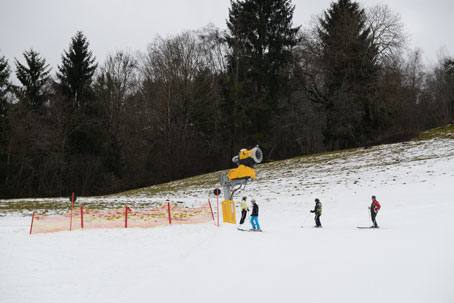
x,y
148,218
46,224
104,218
121,218
191,215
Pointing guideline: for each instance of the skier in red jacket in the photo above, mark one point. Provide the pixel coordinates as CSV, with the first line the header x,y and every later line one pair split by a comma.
x,y
374,208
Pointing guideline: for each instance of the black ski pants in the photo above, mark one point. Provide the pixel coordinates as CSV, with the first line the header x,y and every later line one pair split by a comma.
x,y
243,216
317,220
373,216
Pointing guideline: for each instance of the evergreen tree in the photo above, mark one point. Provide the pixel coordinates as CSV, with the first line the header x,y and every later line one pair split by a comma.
x,y
33,76
4,77
4,85
350,73
260,37
76,71
448,85
448,65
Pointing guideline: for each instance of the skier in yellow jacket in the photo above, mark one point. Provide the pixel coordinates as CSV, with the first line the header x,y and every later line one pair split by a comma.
x,y
244,211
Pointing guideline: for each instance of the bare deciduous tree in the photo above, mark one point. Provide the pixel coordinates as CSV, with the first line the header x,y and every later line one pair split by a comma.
x,y
117,80
387,31
179,86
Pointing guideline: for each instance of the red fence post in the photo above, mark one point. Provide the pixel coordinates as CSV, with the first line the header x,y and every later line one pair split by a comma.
x,y
72,206
31,227
212,215
81,217
168,208
126,217
127,209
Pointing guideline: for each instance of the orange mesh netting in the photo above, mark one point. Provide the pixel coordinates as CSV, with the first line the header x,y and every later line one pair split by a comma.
x,y
120,218
46,224
149,218
191,215
104,218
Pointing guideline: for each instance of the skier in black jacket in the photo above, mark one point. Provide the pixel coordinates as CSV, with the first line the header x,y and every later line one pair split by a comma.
x,y
318,212
254,216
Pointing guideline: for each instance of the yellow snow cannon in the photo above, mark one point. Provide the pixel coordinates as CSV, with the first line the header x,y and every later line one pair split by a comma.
x,y
237,179
241,172
246,159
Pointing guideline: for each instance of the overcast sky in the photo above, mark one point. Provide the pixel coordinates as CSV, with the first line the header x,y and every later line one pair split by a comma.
x,y
48,25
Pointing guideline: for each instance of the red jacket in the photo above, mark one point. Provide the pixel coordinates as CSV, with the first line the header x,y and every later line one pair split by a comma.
x,y
375,206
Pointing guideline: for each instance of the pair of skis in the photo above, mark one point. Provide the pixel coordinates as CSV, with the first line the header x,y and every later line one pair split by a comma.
x,y
360,227
254,230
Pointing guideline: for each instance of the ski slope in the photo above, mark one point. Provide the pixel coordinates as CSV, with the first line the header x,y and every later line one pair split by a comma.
x,y
409,259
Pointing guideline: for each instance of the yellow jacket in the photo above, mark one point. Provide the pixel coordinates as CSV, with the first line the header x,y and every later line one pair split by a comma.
x,y
243,205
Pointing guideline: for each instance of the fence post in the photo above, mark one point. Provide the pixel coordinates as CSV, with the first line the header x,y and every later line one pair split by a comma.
x,y
81,217
72,206
212,215
168,208
31,227
217,197
126,217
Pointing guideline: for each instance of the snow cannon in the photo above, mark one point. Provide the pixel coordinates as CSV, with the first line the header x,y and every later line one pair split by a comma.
x,y
246,160
237,178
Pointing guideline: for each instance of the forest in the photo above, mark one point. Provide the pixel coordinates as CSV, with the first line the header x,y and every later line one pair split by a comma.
x,y
191,101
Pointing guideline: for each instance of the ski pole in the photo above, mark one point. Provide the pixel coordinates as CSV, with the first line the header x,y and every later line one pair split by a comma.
x,y
305,219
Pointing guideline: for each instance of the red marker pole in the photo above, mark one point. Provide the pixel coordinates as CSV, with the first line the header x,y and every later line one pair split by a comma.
x,y
168,208
31,227
72,207
209,203
126,217
127,209
81,217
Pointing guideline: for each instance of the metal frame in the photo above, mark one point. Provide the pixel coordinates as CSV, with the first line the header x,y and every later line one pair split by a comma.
x,y
231,186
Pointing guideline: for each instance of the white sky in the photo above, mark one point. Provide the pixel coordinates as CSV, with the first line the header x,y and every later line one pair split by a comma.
x,y
48,25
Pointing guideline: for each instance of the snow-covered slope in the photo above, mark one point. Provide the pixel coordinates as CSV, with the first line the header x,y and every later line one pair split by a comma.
x,y
410,259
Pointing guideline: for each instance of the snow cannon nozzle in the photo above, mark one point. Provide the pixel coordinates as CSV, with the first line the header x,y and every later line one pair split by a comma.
x,y
248,157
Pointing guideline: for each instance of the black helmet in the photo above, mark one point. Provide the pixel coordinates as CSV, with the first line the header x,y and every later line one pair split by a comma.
x,y
373,197
317,200
244,197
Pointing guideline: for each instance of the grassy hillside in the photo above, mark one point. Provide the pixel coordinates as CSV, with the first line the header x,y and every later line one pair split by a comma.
x,y
295,177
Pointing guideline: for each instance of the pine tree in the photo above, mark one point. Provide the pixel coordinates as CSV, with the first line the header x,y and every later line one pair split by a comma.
x,y
350,71
260,37
76,71
4,84
33,76
448,67
4,76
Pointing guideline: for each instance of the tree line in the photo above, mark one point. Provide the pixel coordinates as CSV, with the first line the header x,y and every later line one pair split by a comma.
x,y
189,102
